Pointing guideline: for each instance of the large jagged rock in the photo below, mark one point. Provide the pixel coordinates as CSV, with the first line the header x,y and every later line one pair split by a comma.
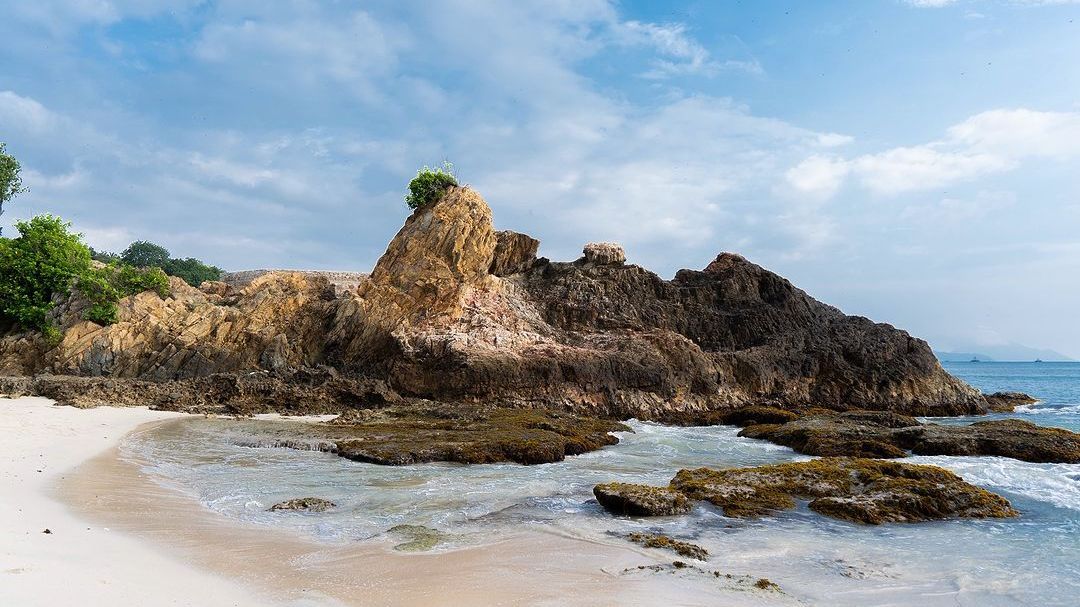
x,y
439,256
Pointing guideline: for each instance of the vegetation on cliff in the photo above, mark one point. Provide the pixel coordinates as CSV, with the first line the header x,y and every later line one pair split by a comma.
x,y
429,184
46,261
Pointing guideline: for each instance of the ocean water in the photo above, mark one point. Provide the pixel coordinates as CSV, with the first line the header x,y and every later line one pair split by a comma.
x,y
1034,559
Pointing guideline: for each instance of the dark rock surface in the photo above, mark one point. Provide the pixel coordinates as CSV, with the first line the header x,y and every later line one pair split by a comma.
x,y
1007,401
640,500
889,435
859,490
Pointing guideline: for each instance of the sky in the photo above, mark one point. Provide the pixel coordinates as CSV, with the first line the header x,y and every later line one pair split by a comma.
x,y
913,161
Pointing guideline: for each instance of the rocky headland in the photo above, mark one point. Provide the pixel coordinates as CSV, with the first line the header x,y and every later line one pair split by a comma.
x,y
456,311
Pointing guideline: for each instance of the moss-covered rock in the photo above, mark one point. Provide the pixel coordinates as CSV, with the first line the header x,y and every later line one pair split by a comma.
x,y
304,504
428,432
663,542
860,490
640,500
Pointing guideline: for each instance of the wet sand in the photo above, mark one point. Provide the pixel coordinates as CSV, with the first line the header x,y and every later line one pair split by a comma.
x,y
176,552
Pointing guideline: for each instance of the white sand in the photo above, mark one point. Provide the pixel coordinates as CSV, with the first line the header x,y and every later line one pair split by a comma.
x,y
79,563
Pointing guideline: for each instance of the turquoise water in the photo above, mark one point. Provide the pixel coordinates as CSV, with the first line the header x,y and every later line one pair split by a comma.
x,y
1034,559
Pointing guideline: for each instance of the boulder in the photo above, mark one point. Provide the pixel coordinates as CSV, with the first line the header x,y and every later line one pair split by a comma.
x,y
859,490
604,254
514,253
1007,401
640,500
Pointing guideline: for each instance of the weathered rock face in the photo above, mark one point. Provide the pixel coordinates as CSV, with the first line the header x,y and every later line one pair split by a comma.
x,y
436,320
859,490
514,253
278,322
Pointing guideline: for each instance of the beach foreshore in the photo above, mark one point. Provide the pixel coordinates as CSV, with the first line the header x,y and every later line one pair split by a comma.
x,y
50,556
119,538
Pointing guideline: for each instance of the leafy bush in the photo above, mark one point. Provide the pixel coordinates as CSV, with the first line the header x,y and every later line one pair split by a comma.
x,y
104,287
429,184
42,262
10,179
193,271
144,254
103,256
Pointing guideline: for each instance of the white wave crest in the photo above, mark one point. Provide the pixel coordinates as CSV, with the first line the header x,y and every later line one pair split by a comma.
x,y
1057,484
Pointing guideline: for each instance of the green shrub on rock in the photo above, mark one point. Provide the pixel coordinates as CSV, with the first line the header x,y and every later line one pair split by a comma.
x,y
429,184
42,262
104,287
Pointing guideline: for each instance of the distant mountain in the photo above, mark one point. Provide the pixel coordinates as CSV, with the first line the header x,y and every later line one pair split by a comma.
x,y
960,357
1006,352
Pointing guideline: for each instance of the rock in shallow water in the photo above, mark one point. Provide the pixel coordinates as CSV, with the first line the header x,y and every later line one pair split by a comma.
x,y
686,549
889,435
640,500
860,490
304,504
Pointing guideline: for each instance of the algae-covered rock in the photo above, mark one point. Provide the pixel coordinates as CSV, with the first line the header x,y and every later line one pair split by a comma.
x,y
889,435
640,500
304,504
1007,401
426,431
663,542
860,490
418,538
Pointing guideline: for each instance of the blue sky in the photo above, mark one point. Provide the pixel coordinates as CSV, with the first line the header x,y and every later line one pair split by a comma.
x,y
917,162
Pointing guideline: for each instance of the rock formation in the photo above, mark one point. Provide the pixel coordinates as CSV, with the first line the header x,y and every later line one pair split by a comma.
x,y
455,311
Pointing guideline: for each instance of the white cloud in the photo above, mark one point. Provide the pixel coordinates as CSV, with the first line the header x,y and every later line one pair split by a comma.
x,y
19,113
987,143
679,53
930,3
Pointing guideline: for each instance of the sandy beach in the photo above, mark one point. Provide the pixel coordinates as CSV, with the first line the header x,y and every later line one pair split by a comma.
x,y
80,562
118,538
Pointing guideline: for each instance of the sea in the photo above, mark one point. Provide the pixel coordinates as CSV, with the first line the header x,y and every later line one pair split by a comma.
x,y
1030,560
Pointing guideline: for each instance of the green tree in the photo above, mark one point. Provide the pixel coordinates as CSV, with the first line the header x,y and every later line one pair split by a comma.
x,y
144,254
103,256
10,180
429,184
42,262
193,271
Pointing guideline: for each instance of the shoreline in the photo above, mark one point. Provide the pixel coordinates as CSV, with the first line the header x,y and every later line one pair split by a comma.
x,y
164,548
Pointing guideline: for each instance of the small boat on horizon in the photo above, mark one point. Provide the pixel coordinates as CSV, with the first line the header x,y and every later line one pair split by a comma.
x,y
974,359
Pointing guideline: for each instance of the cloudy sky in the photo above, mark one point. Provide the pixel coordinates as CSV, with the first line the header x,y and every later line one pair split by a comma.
x,y
917,162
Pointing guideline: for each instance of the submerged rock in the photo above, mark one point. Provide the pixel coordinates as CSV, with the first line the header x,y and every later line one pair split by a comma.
x,y
889,435
304,504
640,500
860,490
663,542
418,537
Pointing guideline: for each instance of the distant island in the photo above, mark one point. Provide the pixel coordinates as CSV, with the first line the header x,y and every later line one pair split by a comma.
x,y
1005,353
